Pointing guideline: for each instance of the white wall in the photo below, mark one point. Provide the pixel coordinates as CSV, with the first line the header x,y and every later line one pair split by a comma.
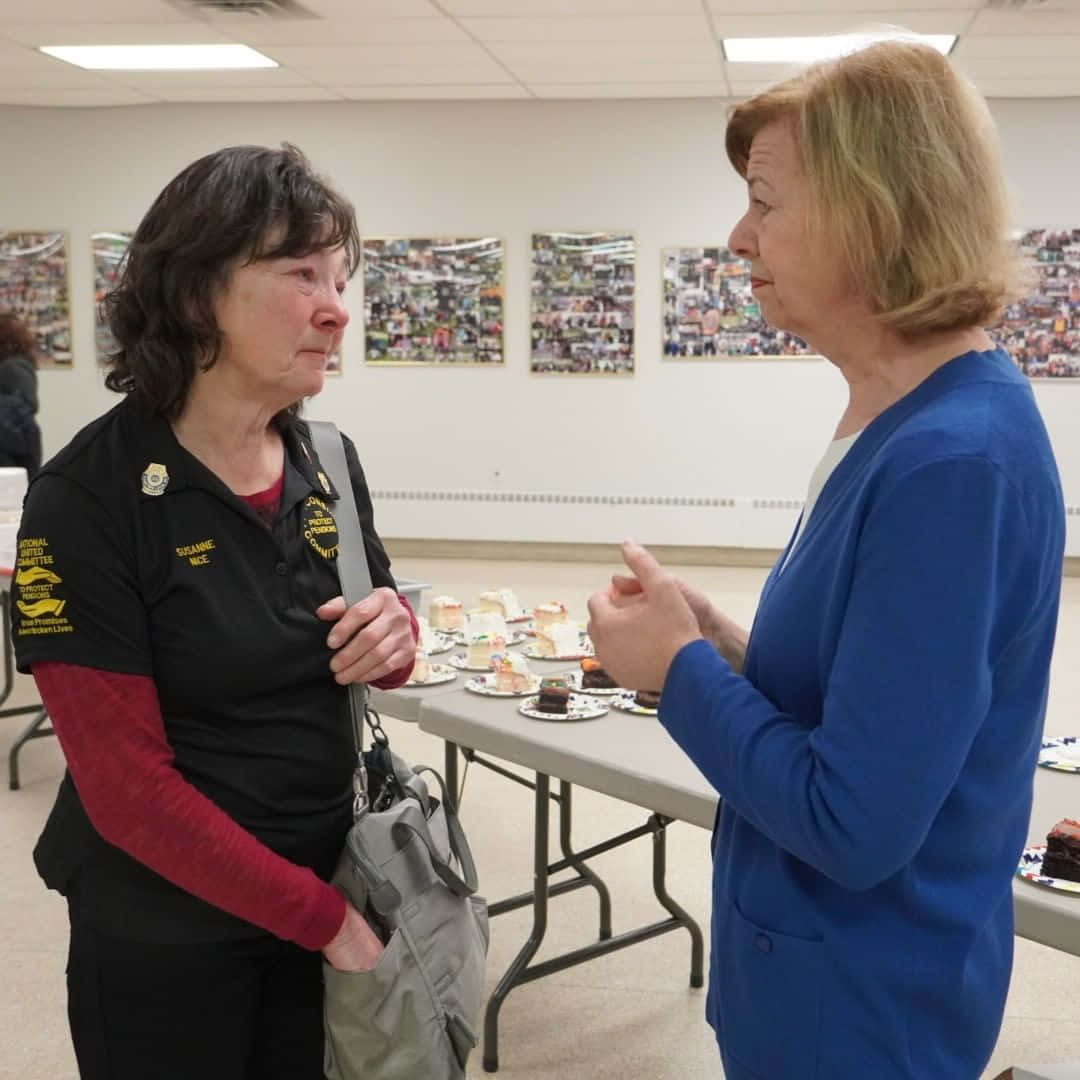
x,y
674,430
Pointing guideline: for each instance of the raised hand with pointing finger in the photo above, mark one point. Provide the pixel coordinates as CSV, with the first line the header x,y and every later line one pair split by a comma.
x,y
637,633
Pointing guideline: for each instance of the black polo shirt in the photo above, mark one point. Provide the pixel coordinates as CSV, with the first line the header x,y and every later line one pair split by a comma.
x,y
133,557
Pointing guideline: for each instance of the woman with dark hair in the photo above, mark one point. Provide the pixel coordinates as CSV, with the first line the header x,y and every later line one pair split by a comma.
x,y
178,604
20,436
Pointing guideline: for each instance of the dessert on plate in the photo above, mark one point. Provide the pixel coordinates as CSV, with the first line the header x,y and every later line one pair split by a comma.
x,y
554,611
554,696
485,633
594,677
647,699
421,671
1062,858
512,674
558,639
446,613
503,602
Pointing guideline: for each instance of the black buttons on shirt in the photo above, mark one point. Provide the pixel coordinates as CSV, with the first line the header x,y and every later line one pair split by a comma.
x,y
763,943
281,569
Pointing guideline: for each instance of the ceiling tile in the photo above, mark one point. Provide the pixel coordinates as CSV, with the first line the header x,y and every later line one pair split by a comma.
x,y
77,10
76,98
307,56
345,31
616,72
248,93
703,51
627,28
23,58
1019,67
836,22
61,77
717,88
433,75
361,9
1010,45
84,33
154,81
891,9
761,73
1026,22
542,8
424,93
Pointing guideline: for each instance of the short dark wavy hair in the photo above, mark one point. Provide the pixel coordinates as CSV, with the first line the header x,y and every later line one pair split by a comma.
x,y
234,206
16,338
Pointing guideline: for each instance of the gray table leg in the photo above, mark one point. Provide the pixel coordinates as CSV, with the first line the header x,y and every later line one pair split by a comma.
x,y
582,868
528,950
697,945
450,768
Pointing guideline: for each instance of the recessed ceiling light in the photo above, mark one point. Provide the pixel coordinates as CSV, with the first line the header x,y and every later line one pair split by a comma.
x,y
159,57
807,50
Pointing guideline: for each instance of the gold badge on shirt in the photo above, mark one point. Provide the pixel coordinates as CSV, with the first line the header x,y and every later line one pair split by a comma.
x,y
155,479
325,482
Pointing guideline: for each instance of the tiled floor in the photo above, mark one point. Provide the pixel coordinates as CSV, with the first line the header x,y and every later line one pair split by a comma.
x,y
630,1015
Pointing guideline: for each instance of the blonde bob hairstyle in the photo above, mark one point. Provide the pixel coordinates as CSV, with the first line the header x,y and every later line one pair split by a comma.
x,y
906,184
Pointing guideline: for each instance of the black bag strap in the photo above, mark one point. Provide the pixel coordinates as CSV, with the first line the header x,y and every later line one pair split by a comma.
x,y
352,564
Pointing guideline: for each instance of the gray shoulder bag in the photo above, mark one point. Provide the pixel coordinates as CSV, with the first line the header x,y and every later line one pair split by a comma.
x,y
407,867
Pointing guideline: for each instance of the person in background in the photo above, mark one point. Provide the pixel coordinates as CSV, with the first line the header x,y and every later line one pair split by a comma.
x,y
874,739
20,435
178,603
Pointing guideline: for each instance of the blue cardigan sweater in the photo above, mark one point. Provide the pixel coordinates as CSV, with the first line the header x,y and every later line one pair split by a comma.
x,y
875,760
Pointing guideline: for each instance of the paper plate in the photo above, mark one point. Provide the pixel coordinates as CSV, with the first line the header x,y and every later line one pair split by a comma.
x,y
579,707
440,673
515,637
485,685
573,680
1061,753
443,643
626,703
586,649
1030,869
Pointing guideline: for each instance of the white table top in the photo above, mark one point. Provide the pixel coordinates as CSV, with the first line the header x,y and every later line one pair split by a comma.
x,y
633,759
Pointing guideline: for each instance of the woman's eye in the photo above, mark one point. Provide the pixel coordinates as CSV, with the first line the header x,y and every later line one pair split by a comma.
x,y
340,288
305,273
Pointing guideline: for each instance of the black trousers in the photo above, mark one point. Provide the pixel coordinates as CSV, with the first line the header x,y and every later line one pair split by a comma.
x,y
249,1009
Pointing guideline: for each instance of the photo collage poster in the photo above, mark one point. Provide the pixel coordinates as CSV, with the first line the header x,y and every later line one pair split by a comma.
x,y
710,311
34,286
582,314
1042,330
433,301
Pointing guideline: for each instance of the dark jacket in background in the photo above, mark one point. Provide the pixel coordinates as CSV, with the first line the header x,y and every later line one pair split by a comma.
x,y
20,436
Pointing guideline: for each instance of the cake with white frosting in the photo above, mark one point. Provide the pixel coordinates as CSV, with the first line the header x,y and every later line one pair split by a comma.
x,y
446,613
502,602
485,633
554,611
558,639
512,674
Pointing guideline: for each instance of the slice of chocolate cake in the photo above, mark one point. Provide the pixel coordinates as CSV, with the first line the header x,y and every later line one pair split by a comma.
x,y
1062,858
594,677
647,699
554,696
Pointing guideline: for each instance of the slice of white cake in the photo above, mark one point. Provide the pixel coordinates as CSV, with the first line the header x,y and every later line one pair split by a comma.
x,y
503,602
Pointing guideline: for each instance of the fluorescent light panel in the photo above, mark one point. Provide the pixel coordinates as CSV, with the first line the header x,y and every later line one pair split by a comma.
x,y
159,57
807,50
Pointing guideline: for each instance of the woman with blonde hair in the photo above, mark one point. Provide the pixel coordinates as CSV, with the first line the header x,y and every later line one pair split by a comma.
x,y
874,738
